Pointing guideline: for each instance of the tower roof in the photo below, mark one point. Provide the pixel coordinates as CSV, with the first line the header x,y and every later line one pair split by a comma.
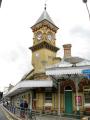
x,y
45,16
46,20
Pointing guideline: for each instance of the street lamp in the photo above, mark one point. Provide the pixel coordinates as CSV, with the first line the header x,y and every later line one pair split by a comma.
x,y
85,1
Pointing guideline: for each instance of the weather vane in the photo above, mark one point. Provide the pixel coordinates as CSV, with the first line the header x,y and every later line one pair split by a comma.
x,y
85,1
45,5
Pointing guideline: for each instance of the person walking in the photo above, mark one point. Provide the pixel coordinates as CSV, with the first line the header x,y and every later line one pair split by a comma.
x,y
26,108
22,110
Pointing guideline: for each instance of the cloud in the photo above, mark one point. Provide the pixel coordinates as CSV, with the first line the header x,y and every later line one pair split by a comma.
x,y
80,37
81,32
14,64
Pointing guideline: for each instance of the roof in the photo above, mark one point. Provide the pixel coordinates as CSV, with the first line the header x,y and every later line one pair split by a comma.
x,y
29,84
44,20
64,67
44,16
66,70
62,63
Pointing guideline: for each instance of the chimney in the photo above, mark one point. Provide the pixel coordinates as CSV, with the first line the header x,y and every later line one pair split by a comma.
x,y
67,50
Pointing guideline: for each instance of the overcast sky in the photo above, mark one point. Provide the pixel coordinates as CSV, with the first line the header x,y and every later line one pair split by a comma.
x,y
16,18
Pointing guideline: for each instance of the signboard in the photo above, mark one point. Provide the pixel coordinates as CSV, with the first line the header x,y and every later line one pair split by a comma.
x,y
78,99
86,72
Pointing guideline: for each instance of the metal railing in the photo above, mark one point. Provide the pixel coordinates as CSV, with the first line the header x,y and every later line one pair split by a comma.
x,y
27,114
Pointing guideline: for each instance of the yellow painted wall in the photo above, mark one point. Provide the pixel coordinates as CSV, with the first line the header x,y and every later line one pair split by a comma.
x,y
40,101
42,58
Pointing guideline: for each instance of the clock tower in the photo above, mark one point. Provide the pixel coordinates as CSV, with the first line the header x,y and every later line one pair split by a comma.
x,y
44,48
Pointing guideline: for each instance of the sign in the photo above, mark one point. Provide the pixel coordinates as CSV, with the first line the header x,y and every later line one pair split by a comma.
x,y
87,73
78,99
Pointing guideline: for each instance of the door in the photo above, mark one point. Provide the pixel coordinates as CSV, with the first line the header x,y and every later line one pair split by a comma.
x,y
68,101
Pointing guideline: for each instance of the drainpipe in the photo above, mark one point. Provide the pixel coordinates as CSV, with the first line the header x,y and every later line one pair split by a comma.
x,y
58,97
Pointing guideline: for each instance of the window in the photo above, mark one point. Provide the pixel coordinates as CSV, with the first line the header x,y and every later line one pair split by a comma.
x,y
87,94
34,95
48,97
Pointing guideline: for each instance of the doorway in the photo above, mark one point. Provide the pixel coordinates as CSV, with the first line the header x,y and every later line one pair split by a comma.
x,y
68,100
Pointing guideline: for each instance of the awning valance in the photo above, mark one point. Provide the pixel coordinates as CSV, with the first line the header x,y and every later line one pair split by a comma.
x,y
66,70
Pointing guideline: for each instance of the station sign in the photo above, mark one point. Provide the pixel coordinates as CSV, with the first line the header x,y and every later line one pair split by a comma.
x,y
86,72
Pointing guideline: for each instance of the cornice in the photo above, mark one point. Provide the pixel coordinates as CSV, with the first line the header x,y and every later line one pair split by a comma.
x,y
44,44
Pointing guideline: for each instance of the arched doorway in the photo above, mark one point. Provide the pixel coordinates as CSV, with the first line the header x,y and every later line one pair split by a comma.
x,y
68,100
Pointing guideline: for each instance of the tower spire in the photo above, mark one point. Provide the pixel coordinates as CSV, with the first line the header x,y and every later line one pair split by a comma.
x,y
45,6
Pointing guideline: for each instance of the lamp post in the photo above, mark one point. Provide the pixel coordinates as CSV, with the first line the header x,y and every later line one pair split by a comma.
x,y
85,1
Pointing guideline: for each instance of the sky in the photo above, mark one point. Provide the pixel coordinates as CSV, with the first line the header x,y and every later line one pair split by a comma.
x,y
16,19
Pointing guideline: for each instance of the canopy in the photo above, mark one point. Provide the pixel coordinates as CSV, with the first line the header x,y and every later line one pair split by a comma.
x,y
29,84
67,68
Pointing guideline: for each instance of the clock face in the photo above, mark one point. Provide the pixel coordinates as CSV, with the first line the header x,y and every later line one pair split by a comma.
x,y
49,36
39,35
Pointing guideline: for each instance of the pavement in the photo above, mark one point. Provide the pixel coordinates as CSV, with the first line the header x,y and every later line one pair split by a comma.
x,y
7,115
2,115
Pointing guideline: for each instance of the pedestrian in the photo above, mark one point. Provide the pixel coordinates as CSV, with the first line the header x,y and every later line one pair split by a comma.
x,y
22,110
26,107
25,104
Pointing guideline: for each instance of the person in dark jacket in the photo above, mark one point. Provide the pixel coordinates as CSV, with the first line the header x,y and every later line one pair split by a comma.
x,y
25,106
22,110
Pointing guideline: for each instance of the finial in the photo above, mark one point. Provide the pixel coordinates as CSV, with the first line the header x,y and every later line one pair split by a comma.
x,y
45,6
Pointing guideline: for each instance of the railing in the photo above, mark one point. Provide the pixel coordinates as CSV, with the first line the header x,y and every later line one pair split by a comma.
x,y
21,113
27,114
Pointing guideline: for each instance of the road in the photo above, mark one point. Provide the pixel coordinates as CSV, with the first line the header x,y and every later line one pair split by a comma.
x,y
2,115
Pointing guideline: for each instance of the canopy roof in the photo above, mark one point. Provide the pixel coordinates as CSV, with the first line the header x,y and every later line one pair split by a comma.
x,y
64,67
66,70
29,84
